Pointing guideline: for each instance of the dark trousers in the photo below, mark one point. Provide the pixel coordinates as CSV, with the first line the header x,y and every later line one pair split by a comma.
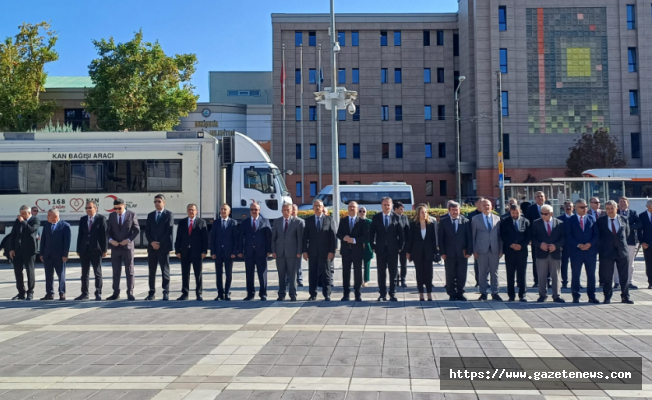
x,y
647,253
119,256
52,265
516,266
186,262
348,261
588,260
386,262
25,262
319,274
154,258
400,276
565,258
256,264
223,264
475,271
607,272
94,259
456,269
423,270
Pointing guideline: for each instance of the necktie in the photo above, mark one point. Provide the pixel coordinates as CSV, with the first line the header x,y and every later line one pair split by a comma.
x,y
53,226
516,224
386,221
582,223
613,227
548,228
254,225
455,222
318,223
488,223
286,226
190,227
120,219
351,220
158,216
224,224
90,224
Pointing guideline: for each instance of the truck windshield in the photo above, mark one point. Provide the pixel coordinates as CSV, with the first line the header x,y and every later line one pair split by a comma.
x,y
280,181
260,179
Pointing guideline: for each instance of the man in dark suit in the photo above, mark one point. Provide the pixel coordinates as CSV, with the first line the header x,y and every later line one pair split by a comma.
x,y
477,211
158,232
255,245
223,242
399,208
548,238
510,202
614,231
191,246
582,236
595,211
387,238
22,251
515,232
55,245
565,252
645,237
319,245
91,247
634,225
455,246
354,234
532,214
123,229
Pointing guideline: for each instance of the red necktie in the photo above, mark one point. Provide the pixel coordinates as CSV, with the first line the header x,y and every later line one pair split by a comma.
x,y
286,226
548,228
613,228
582,223
190,228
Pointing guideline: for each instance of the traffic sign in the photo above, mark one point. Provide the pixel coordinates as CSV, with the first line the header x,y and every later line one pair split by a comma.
x,y
501,180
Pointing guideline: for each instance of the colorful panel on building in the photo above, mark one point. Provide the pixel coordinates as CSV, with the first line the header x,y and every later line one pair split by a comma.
x,y
568,78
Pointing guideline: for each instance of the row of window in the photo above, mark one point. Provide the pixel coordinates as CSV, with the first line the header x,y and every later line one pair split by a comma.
x,y
355,39
443,190
384,75
631,17
385,150
632,60
384,112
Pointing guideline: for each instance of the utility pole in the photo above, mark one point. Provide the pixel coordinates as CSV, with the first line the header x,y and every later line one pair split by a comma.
x,y
458,170
301,126
334,143
320,78
501,164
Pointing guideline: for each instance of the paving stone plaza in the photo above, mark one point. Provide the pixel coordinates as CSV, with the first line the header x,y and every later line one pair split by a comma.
x,y
295,350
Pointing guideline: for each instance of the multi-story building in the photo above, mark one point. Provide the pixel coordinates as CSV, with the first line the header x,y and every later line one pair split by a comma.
x,y
567,67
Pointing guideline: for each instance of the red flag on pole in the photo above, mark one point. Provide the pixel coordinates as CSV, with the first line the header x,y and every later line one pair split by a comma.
x,y
283,84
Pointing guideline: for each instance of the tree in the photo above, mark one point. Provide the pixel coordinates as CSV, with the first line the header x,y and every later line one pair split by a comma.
x,y
138,87
597,150
22,77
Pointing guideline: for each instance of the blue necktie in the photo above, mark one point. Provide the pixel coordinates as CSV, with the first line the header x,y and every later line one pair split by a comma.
x,y
53,226
386,221
318,223
488,223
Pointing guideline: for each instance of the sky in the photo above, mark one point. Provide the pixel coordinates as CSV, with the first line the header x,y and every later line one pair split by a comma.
x,y
225,35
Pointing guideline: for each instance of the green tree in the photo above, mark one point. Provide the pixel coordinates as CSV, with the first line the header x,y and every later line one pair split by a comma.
x,y
597,150
22,77
138,87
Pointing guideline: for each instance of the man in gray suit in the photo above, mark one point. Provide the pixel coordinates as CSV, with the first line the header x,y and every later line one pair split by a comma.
x,y
123,229
487,248
287,239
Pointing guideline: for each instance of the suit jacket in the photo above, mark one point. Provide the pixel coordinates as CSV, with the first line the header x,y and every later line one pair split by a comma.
x,y
287,243
454,244
130,229
23,237
532,213
510,235
417,245
160,232
392,238
473,214
599,213
576,236
611,246
483,239
318,243
645,230
55,244
194,244
524,206
95,241
224,241
261,239
540,235
634,225
360,233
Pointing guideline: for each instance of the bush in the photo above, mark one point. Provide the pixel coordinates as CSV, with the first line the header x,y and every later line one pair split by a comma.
x,y
435,212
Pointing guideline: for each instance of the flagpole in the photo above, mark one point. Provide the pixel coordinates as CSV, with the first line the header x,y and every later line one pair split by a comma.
x,y
301,123
283,104
319,84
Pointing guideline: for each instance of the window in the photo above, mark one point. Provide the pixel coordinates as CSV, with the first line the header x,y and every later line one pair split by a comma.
x,y
355,38
385,150
443,189
125,176
505,98
297,76
241,93
440,75
502,18
369,198
426,75
163,176
383,38
313,189
341,115
298,38
442,150
506,152
341,38
356,115
313,151
355,75
429,190
312,38
298,151
636,144
384,113
426,38
397,38
341,151
398,113
298,189
631,16
312,75
397,75
428,150
312,113
631,56
341,75
456,45
440,38
78,118
356,150
503,61
383,75
427,111
633,102
399,150
298,113
441,112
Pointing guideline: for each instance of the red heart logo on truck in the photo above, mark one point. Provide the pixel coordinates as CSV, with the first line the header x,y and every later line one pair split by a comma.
x,y
76,204
41,204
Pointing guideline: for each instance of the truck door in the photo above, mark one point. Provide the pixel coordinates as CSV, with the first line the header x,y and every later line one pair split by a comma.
x,y
258,185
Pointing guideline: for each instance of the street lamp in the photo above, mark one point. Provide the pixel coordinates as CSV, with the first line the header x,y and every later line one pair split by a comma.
x,y
458,172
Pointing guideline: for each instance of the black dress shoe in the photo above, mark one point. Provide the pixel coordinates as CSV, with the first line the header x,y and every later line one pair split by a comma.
x,y
496,297
220,296
131,297
559,300
564,286
576,300
523,300
183,297
358,298
217,298
476,284
649,286
62,297
200,298
542,299
606,301
22,297
263,298
345,298
452,298
150,297
300,284
594,301
280,298
461,298
382,298
536,285
627,301
227,297
312,298
98,297
166,297
392,298
114,296
47,297
403,285
483,297
631,286
511,299
82,297
29,297
327,298
293,298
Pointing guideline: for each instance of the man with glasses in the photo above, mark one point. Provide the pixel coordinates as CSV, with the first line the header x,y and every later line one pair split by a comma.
x,y
487,249
354,234
123,229
634,225
91,247
191,247
54,254
533,213
613,250
565,252
158,231
255,245
22,251
548,238
595,210
582,236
